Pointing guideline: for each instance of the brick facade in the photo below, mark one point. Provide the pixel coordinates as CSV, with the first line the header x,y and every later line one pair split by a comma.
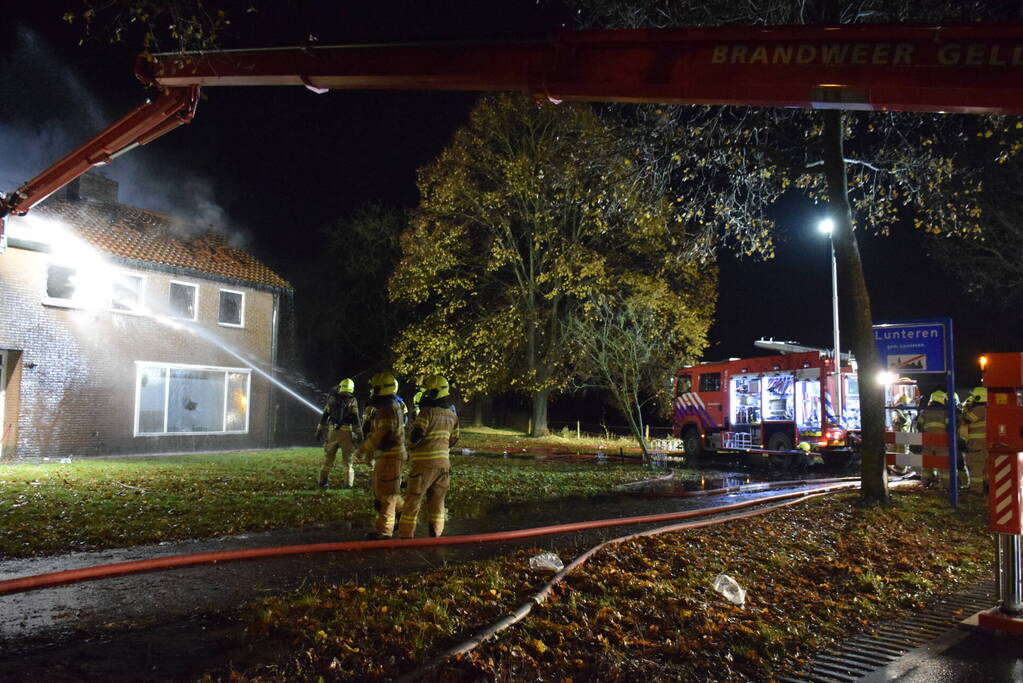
x,y
72,378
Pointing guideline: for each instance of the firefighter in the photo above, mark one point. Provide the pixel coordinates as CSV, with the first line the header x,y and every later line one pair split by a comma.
x,y
385,445
344,430
420,392
934,420
974,419
433,433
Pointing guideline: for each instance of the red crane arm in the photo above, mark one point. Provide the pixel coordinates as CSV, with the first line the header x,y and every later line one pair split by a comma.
x,y
969,68
173,108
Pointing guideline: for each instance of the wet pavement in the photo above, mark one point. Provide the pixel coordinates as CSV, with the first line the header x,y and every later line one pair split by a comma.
x,y
106,627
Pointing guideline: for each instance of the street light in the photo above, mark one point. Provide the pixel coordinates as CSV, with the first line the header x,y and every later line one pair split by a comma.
x,y
827,226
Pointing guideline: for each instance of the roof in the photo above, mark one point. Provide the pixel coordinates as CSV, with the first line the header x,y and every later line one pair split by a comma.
x,y
137,234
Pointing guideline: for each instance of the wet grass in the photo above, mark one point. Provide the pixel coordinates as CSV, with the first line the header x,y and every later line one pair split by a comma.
x,y
641,610
94,504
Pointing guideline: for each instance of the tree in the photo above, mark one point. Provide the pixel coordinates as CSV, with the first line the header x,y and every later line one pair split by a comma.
x,y
525,215
154,25
873,169
987,261
628,344
344,311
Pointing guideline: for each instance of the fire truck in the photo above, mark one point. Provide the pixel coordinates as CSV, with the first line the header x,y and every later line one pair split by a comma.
x,y
769,405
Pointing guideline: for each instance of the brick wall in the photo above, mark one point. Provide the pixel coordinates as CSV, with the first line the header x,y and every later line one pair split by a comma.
x,y
73,384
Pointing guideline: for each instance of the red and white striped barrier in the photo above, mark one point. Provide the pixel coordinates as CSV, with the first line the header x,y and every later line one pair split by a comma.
x,y
1005,474
935,449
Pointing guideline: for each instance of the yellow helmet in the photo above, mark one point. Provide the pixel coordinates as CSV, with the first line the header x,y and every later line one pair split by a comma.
x,y
978,395
437,386
384,384
804,446
939,397
346,386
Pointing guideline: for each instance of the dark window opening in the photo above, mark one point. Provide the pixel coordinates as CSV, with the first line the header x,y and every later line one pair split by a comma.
x,y
231,308
710,382
60,282
182,300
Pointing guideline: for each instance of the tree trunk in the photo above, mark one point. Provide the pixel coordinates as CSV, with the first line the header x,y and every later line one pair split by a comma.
x,y
477,412
540,399
855,299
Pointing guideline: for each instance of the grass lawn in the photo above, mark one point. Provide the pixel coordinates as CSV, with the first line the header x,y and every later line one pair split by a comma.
x,y
641,610
93,504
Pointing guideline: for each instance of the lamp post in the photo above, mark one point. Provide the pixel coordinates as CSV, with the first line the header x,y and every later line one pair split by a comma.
x,y
827,226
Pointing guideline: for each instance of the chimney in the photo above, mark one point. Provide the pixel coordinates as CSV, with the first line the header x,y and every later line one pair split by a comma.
x,y
92,187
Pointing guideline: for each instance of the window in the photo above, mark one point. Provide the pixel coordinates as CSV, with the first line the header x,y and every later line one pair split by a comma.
x,y
60,284
182,300
232,308
710,381
126,292
683,384
186,399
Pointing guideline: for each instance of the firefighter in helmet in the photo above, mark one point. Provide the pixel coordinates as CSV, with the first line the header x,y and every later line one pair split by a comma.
x,y
974,420
385,445
934,420
434,432
341,420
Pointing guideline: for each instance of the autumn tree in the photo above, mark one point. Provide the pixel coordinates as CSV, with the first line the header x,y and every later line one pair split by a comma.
x,y
627,345
873,169
523,217
344,310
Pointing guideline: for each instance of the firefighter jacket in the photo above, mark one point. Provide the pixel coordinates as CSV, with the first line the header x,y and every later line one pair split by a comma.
x,y
434,432
975,421
342,410
933,419
385,436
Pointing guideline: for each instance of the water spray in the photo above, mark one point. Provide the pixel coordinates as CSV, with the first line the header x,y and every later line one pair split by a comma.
x,y
199,332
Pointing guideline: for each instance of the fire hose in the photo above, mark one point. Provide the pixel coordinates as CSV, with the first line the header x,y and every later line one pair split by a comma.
x,y
38,581
538,598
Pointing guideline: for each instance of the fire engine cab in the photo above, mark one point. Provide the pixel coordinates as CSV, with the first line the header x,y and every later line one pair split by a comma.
x,y
769,405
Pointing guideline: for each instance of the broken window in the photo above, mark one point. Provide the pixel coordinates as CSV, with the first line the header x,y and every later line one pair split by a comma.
x,y
182,300
183,399
60,283
127,292
232,308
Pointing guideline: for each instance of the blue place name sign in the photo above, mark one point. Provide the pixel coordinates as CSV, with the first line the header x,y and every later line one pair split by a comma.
x,y
911,347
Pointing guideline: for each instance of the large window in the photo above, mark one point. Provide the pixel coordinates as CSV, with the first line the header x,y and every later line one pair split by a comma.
x,y
185,399
126,294
183,297
232,308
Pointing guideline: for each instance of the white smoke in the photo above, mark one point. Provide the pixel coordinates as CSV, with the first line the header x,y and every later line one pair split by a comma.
x,y
54,112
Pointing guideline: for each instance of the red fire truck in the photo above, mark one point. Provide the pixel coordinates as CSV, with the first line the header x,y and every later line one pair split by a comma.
x,y
769,405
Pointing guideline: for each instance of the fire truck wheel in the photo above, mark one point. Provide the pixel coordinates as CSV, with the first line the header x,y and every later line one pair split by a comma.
x,y
779,441
691,445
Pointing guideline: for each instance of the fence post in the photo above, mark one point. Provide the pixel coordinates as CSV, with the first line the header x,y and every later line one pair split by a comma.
x,y
647,432
578,432
529,427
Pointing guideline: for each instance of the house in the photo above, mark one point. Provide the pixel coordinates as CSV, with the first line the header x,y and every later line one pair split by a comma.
x,y
126,331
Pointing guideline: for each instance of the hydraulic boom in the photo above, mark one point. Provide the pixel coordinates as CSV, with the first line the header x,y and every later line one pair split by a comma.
x,y
965,68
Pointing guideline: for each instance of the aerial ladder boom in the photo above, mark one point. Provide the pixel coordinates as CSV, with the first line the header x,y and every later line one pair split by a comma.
x,y
965,68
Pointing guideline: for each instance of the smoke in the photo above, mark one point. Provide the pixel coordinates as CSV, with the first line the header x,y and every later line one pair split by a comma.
x,y
48,110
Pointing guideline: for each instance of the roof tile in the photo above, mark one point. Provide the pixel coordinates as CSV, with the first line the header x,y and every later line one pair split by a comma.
x,y
134,233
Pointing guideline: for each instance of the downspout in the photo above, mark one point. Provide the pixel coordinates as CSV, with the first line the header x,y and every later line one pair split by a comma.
x,y
271,396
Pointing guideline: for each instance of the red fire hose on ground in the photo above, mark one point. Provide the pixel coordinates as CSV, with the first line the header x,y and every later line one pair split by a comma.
x,y
29,583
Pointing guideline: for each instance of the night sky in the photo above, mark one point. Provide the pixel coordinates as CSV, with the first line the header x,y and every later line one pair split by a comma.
x,y
276,164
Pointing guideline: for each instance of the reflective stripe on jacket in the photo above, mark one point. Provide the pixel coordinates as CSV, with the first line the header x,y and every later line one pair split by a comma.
x,y
434,432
